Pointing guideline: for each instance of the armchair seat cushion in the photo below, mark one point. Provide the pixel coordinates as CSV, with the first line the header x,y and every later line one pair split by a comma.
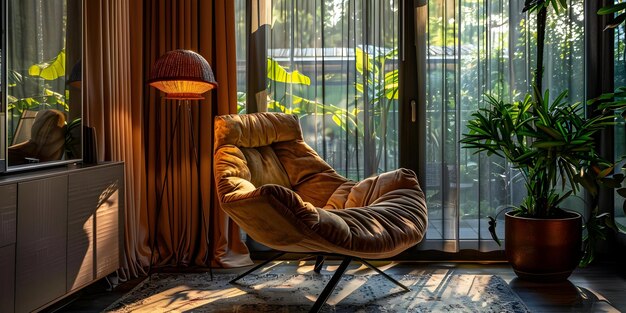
x,y
303,205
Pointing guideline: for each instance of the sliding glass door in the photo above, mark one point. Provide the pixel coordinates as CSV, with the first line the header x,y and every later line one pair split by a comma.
x,y
335,63
478,47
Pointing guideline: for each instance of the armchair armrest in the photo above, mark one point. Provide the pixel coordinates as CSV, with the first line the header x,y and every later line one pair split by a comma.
x,y
375,189
272,214
279,198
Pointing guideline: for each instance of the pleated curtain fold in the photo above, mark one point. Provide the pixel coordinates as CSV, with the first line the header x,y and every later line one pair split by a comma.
x,y
112,84
187,235
134,124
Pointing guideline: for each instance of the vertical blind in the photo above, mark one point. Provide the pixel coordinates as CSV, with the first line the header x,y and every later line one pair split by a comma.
x,y
335,64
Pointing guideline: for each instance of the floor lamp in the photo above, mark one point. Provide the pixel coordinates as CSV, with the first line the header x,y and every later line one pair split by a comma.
x,y
183,75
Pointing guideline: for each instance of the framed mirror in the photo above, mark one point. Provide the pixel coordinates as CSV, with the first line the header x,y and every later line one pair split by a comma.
x,y
41,83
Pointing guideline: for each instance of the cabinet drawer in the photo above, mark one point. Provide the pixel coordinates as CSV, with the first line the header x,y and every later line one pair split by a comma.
x,y
7,278
93,224
41,242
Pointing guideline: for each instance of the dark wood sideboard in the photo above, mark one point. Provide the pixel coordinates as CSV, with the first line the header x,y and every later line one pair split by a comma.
x,y
60,230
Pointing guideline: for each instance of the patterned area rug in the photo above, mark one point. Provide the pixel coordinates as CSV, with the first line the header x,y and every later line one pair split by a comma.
x,y
296,293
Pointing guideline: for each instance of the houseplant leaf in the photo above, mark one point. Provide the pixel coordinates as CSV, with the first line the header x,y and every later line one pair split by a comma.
x,y
616,21
492,230
612,8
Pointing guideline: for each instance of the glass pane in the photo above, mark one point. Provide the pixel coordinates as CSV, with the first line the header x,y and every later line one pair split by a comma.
x,y
334,63
477,48
44,46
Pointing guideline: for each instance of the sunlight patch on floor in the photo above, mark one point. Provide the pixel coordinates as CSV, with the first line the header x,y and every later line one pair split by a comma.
x,y
177,298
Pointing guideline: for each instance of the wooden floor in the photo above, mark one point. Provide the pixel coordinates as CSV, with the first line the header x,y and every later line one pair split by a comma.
x,y
598,288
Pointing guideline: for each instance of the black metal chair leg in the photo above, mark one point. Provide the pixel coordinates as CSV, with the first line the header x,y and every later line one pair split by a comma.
x,y
384,274
319,262
257,267
317,306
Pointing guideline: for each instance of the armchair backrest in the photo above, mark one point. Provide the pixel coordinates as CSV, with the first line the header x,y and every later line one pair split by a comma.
x,y
256,130
253,138
257,149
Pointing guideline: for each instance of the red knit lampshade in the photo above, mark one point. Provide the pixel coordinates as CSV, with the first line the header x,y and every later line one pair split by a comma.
x,y
182,75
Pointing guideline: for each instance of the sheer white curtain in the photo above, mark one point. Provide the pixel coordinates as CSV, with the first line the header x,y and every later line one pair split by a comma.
x,y
477,47
335,63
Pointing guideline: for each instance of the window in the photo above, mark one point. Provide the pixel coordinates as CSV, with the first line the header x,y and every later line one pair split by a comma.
x,y
476,48
36,55
41,64
335,63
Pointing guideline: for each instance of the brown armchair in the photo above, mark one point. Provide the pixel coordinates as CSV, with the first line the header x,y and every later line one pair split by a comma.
x,y
278,190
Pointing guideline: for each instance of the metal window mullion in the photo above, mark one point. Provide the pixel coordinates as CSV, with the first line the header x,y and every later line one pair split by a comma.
x,y
457,119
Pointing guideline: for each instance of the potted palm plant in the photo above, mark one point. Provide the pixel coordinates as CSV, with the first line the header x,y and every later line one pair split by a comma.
x,y
551,142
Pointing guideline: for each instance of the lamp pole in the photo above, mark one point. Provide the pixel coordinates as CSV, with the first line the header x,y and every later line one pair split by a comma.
x,y
183,75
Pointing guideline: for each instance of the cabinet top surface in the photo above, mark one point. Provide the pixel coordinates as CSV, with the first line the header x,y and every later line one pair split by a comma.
x,y
11,178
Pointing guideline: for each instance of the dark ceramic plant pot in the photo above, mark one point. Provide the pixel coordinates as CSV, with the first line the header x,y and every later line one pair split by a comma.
x,y
543,249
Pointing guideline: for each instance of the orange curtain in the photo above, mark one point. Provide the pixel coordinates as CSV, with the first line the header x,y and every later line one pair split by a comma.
x,y
190,227
112,82
122,39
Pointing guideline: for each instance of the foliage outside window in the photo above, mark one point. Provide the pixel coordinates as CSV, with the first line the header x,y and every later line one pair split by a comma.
x,y
335,65
36,60
349,50
477,48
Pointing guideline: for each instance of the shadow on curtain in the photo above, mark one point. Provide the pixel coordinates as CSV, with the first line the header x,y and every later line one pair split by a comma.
x,y
111,79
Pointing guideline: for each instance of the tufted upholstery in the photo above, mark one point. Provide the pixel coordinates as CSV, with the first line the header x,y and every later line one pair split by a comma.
x,y
273,185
